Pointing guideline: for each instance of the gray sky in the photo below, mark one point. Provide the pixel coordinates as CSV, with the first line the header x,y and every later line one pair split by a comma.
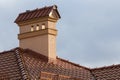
x,y
89,30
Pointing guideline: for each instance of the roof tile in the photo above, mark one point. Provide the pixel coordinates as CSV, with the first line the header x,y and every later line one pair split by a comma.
x,y
9,68
107,73
37,13
24,63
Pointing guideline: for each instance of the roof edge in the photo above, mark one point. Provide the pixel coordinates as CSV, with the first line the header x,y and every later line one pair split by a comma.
x,y
78,65
111,66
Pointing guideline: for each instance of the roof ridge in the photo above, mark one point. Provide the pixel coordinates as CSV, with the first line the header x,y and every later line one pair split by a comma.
x,y
29,11
75,64
20,61
11,50
104,67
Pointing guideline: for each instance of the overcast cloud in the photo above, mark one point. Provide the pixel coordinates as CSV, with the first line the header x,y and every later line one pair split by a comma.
x,y
89,30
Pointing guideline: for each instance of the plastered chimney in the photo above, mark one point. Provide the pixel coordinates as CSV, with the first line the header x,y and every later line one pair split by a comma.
x,y
38,30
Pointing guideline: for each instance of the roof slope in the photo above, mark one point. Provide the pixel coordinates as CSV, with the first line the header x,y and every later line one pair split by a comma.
x,y
37,13
35,65
26,64
9,66
107,73
23,64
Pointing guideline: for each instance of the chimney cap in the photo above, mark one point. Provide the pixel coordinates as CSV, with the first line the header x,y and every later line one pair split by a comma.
x,y
36,13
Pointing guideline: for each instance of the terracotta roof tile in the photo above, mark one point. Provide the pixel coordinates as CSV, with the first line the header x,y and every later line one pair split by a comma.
x,y
36,55
25,64
66,61
107,73
37,13
9,68
35,65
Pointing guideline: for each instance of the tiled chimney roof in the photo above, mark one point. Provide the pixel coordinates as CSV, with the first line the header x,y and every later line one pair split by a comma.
x,y
37,13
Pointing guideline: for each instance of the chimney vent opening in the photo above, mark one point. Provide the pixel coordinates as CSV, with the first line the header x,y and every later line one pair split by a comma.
x,y
32,28
37,27
43,26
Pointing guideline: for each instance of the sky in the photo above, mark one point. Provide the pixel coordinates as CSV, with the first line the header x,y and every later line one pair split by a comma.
x,y
88,31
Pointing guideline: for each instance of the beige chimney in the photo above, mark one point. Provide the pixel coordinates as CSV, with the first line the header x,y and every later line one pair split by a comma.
x,y
38,30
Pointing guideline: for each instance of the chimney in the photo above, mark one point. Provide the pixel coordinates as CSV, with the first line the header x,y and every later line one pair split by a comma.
x,y
38,30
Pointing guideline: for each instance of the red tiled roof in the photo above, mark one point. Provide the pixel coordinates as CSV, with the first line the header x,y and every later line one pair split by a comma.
x,y
37,13
36,55
25,64
9,66
107,73
104,67
66,61
35,65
